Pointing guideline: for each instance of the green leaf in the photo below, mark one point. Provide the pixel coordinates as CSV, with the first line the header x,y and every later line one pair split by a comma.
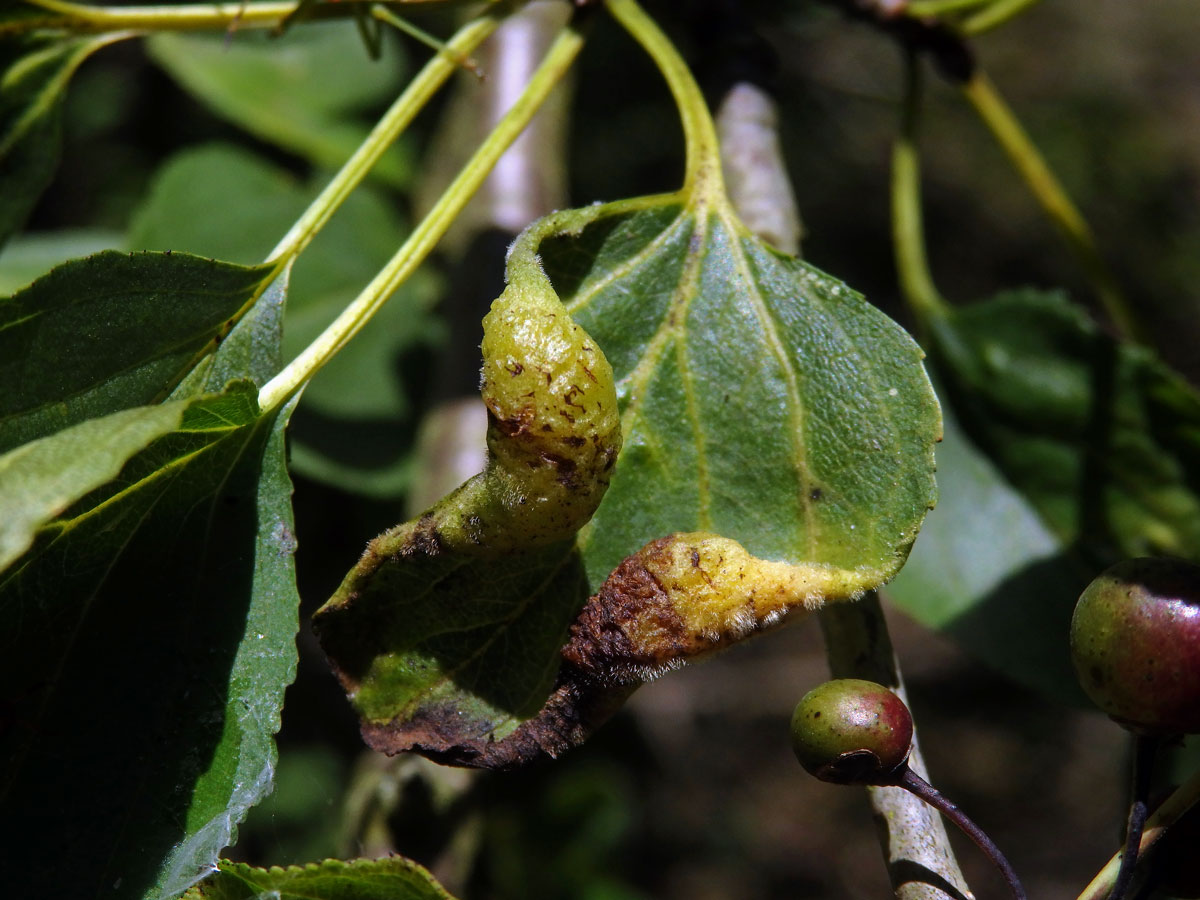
x,y
28,256
1080,450
40,479
34,73
150,633
259,202
110,332
1101,437
760,398
763,406
394,878
345,431
987,571
298,92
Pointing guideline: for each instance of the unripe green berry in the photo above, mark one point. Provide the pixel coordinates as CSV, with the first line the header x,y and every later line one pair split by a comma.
x,y
850,731
1135,643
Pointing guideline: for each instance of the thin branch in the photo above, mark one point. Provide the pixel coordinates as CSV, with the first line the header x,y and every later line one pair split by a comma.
x,y
1172,809
920,860
908,230
1046,188
83,17
995,15
1145,750
426,235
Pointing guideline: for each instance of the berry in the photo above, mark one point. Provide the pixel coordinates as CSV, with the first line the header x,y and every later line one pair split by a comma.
x,y
1135,643
850,731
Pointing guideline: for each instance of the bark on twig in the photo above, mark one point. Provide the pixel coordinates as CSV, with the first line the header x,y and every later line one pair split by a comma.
x,y
920,861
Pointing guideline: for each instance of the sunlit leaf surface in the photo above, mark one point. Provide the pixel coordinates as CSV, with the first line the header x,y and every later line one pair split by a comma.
x,y
764,407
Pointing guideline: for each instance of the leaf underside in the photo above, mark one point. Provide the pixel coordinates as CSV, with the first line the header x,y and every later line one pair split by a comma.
x,y
393,878
759,400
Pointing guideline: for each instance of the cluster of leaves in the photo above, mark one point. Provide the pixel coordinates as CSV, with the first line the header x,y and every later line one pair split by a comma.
x,y
147,546
775,437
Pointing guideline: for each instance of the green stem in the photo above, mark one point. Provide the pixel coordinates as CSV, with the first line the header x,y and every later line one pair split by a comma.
x,y
384,134
703,171
419,244
996,14
908,232
921,9
185,17
1032,167
383,14
1172,809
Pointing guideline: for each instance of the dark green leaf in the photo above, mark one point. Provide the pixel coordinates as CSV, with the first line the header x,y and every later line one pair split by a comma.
x,y
110,332
394,878
150,636
348,429
1101,437
299,91
1084,449
34,73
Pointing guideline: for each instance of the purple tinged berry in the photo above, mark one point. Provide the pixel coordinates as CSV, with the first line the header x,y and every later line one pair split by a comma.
x,y
1135,643
850,731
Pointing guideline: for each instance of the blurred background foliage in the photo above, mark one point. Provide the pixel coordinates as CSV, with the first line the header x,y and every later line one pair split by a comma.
x,y
214,144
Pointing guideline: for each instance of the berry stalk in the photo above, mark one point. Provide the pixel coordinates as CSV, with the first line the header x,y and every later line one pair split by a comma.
x,y
915,784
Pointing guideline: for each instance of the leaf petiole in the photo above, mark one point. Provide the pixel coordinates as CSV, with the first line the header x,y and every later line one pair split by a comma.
x,y
923,8
383,14
426,235
414,98
995,15
1049,192
703,179
908,232
384,134
184,17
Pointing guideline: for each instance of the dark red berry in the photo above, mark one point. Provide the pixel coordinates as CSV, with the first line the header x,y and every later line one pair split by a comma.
x,y
850,731
1135,642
